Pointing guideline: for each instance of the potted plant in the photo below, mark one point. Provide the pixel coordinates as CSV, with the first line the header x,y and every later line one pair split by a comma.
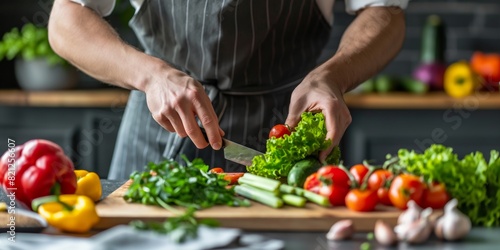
x,y
37,66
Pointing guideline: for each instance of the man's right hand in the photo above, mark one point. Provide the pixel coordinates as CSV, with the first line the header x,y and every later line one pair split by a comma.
x,y
175,100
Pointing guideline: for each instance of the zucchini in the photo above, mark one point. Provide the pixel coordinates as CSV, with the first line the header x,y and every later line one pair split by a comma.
x,y
413,86
433,43
385,84
301,170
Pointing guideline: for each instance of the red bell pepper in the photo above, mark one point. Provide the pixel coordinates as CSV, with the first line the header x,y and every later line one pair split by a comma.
x,y
35,169
487,65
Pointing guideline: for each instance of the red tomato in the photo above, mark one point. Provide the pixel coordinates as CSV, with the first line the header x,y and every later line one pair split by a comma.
x,y
435,196
232,177
406,187
336,194
279,131
216,170
379,178
361,200
359,172
383,196
312,183
333,175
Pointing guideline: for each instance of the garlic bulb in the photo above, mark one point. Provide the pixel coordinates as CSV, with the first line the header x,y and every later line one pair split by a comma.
x,y
411,214
384,234
453,225
417,231
341,230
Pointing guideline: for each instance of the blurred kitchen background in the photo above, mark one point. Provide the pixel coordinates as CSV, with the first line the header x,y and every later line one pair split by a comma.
x,y
386,116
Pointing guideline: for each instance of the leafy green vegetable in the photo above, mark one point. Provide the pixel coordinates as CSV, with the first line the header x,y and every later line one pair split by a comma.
x,y
309,138
179,229
30,42
169,183
189,186
473,181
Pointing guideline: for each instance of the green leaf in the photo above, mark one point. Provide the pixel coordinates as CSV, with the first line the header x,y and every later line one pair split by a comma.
x,y
309,138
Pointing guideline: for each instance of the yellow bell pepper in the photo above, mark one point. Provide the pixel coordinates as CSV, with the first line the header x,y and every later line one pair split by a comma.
x,y
69,212
88,184
460,80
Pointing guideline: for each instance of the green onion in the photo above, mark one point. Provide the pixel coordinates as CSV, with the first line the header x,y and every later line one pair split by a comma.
x,y
259,195
294,200
260,182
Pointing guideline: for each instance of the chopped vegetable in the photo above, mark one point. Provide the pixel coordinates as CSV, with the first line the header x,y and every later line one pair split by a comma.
x,y
179,228
260,182
473,181
308,138
259,195
168,182
294,200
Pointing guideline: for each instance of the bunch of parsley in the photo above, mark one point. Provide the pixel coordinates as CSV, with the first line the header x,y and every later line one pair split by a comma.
x,y
169,183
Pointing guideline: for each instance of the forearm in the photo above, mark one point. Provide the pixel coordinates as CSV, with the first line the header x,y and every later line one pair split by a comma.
x,y
367,46
86,40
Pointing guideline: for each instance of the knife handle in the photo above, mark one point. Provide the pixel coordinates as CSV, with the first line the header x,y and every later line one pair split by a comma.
x,y
206,137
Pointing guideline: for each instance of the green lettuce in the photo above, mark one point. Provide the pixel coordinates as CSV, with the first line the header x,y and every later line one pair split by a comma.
x,y
472,180
308,139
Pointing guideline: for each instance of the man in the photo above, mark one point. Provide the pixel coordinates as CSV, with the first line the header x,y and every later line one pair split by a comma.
x,y
231,66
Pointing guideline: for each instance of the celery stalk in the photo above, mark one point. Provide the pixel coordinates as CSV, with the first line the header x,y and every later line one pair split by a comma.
x,y
259,195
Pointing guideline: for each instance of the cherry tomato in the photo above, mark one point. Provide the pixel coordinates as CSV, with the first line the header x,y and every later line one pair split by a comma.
x,y
379,178
279,131
312,183
232,177
435,196
383,196
216,170
361,200
336,194
406,187
333,175
359,172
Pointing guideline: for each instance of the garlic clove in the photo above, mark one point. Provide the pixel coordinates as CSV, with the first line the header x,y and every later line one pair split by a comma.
x,y
384,234
411,214
453,225
341,230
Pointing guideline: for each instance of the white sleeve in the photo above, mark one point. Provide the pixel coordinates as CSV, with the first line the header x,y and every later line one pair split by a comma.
x,y
102,7
352,6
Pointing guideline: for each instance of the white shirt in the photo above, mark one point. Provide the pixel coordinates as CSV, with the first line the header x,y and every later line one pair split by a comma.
x,y
105,7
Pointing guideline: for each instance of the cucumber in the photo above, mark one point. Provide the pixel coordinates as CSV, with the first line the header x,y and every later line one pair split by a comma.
x,y
301,170
385,83
433,43
413,86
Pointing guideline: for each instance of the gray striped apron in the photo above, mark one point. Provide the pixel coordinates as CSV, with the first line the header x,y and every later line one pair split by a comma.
x,y
249,55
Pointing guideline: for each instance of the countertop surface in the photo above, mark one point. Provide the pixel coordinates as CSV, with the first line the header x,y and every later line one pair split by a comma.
x,y
478,239
116,97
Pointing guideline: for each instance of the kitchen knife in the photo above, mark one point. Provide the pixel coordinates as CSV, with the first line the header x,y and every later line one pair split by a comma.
x,y
236,152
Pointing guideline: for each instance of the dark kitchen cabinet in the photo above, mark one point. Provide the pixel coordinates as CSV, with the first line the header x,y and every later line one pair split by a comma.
x,y
87,135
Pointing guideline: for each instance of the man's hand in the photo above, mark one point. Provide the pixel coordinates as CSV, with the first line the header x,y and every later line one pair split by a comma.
x,y
175,100
369,43
317,93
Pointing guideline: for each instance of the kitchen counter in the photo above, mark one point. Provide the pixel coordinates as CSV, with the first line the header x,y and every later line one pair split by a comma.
x,y
478,239
114,97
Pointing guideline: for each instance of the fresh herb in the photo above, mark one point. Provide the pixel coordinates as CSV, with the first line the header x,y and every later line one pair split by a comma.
x,y
370,236
179,229
309,138
365,246
29,43
170,183
473,181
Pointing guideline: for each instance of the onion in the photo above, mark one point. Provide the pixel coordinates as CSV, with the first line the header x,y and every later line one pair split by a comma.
x,y
431,74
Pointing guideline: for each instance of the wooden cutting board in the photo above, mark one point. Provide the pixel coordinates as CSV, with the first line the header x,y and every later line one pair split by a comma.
x,y
114,210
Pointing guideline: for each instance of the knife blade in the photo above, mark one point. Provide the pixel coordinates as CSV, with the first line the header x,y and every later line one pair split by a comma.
x,y
236,152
